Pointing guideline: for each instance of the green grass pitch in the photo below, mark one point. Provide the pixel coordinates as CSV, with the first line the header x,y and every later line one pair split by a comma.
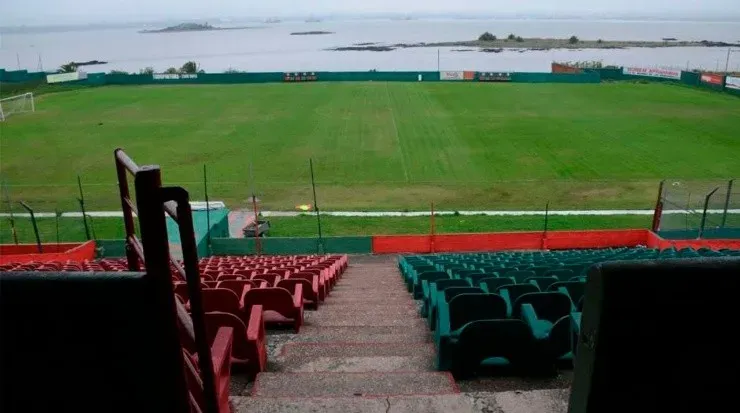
x,y
378,146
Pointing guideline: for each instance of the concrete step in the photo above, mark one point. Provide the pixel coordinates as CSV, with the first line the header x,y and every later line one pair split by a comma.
x,y
357,357
539,401
380,310
323,384
377,300
365,334
366,319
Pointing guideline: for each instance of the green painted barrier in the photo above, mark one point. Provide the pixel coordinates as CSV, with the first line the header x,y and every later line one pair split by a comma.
x,y
219,228
527,77
288,246
110,248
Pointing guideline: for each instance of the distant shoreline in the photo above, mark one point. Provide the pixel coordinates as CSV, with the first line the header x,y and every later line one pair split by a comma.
x,y
534,44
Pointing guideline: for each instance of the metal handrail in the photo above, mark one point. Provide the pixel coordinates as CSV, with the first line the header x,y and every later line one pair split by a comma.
x,y
152,203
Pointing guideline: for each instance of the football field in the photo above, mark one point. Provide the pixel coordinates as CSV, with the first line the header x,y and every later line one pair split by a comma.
x,y
377,146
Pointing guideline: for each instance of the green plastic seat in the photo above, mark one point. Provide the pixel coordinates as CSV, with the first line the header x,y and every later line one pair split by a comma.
x,y
430,276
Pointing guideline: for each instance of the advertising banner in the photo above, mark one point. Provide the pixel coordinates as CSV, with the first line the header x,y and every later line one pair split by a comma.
x,y
712,78
494,77
451,75
653,72
173,76
733,82
65,77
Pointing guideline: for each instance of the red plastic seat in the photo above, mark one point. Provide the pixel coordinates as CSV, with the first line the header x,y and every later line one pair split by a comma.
x,y
271,278
323,285
311,295
221,349
249,349
279,305
237,286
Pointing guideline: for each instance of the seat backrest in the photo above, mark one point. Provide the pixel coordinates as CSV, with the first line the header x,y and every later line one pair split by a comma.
x,y
424,268
220,299
549,306
493,283
97,336
465,308
516,290
237,286
442,285
289,284
520,276
269,296
543,282
453,292
576,289
270,277
561,275
433,276
303,275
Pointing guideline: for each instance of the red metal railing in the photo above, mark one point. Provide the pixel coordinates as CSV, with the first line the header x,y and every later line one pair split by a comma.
x,y
152,252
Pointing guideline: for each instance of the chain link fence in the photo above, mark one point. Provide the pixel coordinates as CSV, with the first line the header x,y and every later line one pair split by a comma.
x,y
700,209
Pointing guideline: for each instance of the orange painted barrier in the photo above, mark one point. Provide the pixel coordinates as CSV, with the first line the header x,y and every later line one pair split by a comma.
x,y
554,240
52,252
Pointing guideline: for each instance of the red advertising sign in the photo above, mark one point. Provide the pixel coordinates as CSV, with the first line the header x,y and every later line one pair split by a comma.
x,y
712,78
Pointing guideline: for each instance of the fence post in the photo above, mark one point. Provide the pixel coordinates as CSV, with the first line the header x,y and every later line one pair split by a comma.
x,y
208,209
320,246
544,232
10,212
727,202
432,229
81,200
658,212
257,240
35,227
704,214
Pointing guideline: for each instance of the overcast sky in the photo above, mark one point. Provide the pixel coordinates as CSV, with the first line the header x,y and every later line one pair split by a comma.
x,y
18,12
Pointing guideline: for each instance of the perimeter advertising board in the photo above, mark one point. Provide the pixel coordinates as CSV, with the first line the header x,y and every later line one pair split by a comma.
x,y
652,72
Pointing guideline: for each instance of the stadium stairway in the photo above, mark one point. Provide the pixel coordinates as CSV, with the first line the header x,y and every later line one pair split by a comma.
x,y
367,350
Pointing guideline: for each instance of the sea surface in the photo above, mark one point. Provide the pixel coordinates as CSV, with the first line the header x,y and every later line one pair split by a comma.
x,y
270,47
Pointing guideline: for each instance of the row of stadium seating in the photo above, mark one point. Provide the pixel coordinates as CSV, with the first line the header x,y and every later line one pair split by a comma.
x,y
242,297
516,309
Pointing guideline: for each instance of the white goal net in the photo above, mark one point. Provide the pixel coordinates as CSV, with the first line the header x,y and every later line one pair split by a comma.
x,y
16,104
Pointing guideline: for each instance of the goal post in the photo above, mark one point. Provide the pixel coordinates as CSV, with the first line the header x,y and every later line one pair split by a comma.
x,y
16,104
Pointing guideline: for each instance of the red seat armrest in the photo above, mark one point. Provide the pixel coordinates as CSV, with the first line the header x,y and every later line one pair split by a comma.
x,y
221,352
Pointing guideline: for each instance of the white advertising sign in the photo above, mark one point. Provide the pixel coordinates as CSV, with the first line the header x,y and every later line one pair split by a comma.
x,y
452,75
173,76
65,77
653,72
732,82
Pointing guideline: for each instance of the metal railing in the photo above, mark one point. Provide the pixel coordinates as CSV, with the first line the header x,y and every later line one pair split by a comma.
x,y
152,203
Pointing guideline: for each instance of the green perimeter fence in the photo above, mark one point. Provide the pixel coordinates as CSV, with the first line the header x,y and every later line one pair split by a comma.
x,y
20,81
267,246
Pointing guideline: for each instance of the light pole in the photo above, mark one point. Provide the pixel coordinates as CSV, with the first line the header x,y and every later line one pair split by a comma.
x,y
727,62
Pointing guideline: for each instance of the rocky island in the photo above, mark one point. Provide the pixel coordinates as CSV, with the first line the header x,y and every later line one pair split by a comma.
x,y
491,44
192,27
310,33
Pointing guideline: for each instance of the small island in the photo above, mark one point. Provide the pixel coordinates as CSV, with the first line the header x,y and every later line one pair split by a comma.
x,y
192,27
489,43
310,33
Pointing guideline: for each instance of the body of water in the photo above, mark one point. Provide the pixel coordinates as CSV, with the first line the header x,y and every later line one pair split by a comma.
x,y
272,48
